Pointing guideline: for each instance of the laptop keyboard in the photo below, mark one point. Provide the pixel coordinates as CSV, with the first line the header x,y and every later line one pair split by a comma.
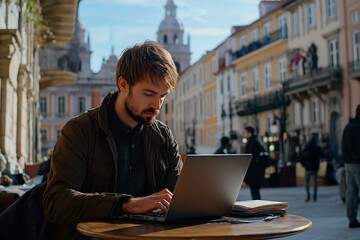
x,y
156,214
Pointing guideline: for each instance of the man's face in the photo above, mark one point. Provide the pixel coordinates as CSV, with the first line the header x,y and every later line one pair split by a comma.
x,y
144,100
247,134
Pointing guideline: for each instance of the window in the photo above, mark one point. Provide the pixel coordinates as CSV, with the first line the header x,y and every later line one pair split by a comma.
x,y
269,120
207,105
295,23
44,137
176,40
201,105
228,83
214,65
314,111
267,29
243,42
243,84
207,70
81,104
334,52
43,105
58,132
194,79
255,35
222,85
61,105
255,78
282,69
282,24
297,113
311,15
331,8
214,104
356,46
200,74
355,17
268,75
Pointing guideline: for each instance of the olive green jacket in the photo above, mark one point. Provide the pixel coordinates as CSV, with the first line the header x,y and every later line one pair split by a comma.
x,y
82,178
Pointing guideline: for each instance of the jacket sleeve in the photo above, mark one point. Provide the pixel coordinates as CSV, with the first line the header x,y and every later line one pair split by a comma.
x,y
64,203
175,162
350,147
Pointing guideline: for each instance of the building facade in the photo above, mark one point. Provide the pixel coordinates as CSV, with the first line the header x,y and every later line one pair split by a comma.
x,y
25,27
316,81
60,103
291,74
349,38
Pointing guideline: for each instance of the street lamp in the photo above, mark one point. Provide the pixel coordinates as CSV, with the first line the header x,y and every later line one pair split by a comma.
x,y
223,116
282,120
193,142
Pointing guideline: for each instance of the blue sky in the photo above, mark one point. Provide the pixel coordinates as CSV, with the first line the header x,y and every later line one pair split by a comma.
x,y
122,23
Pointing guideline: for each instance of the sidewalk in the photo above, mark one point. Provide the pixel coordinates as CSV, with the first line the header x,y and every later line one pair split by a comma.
x,y
328,214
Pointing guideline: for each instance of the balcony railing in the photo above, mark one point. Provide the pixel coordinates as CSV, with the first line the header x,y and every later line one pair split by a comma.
x,y
262,103
354,70
273,37
321,79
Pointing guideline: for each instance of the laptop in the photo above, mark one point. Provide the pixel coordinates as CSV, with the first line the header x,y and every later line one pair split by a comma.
x,y
207,187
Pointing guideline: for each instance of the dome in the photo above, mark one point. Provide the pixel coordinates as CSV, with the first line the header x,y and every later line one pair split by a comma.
x,y
169,24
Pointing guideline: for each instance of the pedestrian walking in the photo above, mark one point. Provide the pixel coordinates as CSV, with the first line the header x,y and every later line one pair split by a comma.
x,y
351,153
310,159
256,172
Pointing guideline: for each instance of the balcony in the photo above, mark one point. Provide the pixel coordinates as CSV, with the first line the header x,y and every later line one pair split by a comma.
x,y
57,70
319,82
273,37
274,100
354,70
60,16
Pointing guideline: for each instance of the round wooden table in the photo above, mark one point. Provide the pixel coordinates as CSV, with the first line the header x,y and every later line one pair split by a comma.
x,y
130,229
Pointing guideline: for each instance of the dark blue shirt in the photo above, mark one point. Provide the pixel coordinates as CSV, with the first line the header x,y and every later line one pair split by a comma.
x,y
131,172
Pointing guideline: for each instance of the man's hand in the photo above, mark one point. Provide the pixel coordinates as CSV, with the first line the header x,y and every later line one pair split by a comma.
x,y
157,201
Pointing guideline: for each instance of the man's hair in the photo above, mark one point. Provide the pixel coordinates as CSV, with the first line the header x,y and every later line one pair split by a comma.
x,y
250,130
149,58
357,113
224,141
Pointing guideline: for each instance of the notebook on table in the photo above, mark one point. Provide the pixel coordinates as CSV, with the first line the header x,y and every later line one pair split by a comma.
x,y
207,187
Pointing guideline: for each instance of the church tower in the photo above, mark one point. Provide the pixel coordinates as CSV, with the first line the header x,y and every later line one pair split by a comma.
x,y
170,35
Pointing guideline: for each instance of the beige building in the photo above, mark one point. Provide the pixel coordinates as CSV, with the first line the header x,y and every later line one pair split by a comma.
x,y
22,33
349,15
316,81
59,103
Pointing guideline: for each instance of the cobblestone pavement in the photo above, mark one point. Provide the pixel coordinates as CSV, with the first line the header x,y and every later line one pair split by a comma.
x,y
328,214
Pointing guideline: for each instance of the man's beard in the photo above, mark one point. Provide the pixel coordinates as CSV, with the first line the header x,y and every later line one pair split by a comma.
x,y
130,109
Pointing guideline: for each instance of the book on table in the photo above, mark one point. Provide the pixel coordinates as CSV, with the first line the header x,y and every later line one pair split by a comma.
x,y
259,207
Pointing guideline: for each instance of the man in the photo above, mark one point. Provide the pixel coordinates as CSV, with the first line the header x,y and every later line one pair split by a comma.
x,y
256,171
311,156
107,159
224,145
351,153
